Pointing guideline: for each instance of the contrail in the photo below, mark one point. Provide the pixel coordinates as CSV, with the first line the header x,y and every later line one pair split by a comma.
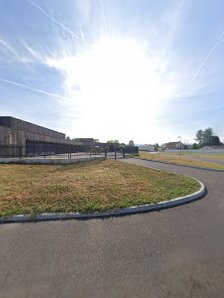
x,y
208,55
32,89
8,47
104,18
57,22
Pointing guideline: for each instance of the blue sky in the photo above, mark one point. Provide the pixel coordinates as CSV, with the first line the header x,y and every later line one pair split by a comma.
x,y
144,70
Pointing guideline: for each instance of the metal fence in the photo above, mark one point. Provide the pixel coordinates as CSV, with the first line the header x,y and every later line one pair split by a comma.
x,y
38,150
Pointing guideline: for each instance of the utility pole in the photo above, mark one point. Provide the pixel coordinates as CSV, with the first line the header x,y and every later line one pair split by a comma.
x,y
179,137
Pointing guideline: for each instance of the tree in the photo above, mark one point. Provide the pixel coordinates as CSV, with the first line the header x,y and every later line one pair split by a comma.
x,y
207,138
215,141
199,137
68,138
195,146
122,145
131,143
113,141
207,135
156,147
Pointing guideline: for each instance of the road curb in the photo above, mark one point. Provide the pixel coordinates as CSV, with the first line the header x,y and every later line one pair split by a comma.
x,y
47,161
121,212
174,164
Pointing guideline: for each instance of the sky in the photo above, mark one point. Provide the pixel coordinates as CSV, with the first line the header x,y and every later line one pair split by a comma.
x,y
142,70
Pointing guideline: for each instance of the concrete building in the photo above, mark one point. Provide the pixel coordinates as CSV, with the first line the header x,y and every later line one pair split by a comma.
x,y
14,131
22,138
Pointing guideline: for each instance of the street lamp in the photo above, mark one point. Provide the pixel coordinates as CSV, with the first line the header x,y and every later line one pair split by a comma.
x,y
179,137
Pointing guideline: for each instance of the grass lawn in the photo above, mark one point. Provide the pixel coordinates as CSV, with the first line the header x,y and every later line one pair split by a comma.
x,y
182,159
205,155
87,187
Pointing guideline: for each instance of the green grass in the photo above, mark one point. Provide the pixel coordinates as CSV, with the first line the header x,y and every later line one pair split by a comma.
x,y
173,157
87,187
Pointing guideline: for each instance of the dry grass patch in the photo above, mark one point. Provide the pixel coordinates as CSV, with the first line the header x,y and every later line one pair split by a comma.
x,y
180,160
205,155
87,187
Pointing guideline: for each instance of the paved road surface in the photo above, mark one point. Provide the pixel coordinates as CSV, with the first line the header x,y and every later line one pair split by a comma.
x,y
177,252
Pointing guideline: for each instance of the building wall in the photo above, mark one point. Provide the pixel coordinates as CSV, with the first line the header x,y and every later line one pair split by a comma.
x,y
19,138
31,128
9,136
17,132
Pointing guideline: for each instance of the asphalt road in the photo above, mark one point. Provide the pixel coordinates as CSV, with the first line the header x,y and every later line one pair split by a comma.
x,y
176,252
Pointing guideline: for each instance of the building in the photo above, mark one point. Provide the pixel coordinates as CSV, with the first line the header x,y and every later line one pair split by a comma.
x,y
14,131
174,146
146,147
22,138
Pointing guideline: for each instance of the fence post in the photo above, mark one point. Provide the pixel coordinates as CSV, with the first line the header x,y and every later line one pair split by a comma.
x,y
69,152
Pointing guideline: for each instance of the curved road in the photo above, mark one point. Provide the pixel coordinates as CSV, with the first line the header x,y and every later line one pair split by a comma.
x,y
176,252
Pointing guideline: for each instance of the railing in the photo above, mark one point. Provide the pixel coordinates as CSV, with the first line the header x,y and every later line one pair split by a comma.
x,y
34,150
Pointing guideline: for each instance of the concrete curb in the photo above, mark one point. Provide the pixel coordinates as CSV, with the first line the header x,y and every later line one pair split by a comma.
x,y
48,161
174,164
126,211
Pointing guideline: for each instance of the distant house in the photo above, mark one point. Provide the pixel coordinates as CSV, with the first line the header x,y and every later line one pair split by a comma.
x,y
173,146
146,147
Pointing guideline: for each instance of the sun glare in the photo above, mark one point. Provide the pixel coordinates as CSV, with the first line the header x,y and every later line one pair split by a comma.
x,y
114,81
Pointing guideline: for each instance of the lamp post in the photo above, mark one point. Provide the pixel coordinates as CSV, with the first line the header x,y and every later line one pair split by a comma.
x,y
179,137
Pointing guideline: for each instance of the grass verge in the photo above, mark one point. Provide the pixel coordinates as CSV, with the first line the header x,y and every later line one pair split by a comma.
x,y
180,160
88,187
205,155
